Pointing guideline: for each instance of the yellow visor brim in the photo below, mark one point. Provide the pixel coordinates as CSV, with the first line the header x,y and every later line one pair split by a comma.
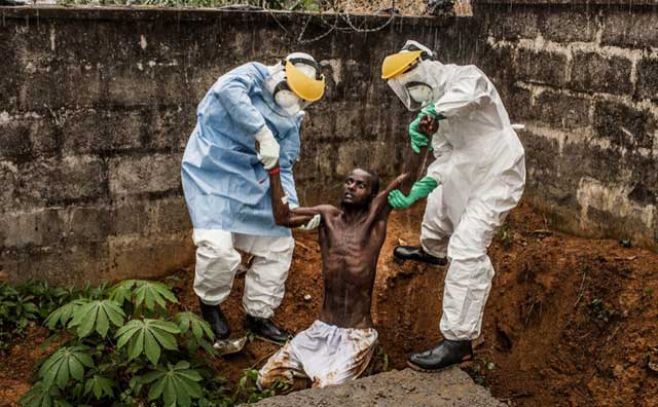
x,y
395,64
308,89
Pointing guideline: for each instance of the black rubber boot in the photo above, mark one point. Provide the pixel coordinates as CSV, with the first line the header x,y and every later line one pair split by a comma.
x,y
445,354
265,329
416,253
215,317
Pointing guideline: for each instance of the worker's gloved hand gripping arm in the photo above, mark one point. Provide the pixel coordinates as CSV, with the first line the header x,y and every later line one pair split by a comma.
x,y
268,148
424,126
417,137
234,96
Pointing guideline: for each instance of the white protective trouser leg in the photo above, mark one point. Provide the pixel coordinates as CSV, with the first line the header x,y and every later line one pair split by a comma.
x,y
436,227
266,278
468,281
217,261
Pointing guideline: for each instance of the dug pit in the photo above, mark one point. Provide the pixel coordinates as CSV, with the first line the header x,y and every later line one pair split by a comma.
x,y
569,321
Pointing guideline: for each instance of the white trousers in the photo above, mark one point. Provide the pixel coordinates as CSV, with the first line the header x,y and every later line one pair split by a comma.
x,y
469,276
217,261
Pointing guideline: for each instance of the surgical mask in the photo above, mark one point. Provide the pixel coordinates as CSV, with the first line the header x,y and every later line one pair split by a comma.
x,y
288,101
420,93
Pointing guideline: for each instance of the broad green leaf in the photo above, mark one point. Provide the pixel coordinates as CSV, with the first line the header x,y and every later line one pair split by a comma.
x,y
151,348
143,292
122,291
167,340
100,386
152,376
85,359
165,326
148,337
62,315
85,319
183,364
126,332
76,369
102,323
65,363
190,386
95,316
187,321
182,395
175,385
39,395
136,345
157,388
170,391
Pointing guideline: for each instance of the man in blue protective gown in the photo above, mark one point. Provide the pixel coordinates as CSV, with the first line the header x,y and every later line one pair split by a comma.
x,y
247,124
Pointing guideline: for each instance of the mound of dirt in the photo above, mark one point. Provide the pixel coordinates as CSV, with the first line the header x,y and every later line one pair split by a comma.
x,y
451,387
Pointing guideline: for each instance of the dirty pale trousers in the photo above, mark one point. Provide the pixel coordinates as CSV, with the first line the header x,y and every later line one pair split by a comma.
x,y
217,261
326,354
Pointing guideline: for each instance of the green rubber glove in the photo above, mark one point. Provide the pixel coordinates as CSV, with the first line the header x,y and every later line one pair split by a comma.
x,y
418,139
419,190
431,110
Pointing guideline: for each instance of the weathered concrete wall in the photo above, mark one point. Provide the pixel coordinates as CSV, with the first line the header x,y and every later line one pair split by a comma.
x,y
96,106
584,79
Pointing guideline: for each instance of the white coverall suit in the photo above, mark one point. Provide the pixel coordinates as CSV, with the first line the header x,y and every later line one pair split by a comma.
x,y
480,167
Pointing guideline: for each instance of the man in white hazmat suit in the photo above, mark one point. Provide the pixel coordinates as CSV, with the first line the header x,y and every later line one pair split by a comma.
x,y
247,123
477,177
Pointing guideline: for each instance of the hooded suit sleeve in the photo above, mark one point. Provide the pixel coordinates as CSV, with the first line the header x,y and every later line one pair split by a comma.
x,y
233,94
467,91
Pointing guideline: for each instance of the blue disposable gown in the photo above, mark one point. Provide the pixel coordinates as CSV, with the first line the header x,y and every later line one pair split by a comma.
x,y
225,185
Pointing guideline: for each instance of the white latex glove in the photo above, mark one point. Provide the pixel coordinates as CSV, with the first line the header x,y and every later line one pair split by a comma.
x,y
311,224
268,148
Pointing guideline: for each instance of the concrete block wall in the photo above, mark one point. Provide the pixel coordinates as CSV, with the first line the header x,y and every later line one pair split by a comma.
x,y
583,77
96,106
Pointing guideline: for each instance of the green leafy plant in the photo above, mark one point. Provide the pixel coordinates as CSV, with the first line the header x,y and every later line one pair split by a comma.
x,y
43,396
99,387
63,315
175,385
123,344
247,391
26,304
96,316
131,344
143,294
147,337
196,331
65,364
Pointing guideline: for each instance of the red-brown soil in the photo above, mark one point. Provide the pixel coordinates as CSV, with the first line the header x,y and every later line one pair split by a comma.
x,y
569,321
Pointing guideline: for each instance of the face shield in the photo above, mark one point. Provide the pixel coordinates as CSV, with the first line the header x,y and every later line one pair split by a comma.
x,y
414,87
295,83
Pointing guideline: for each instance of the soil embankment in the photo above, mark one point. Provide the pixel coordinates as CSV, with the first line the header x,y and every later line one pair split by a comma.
x,y
569,321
